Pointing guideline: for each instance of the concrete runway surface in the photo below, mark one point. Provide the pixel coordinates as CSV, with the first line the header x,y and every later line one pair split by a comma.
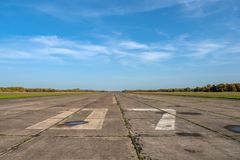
x,y
119,126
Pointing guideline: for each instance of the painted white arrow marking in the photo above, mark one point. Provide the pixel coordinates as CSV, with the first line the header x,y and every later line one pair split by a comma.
x,y
94,120
167,122
114,100
53,120
143,109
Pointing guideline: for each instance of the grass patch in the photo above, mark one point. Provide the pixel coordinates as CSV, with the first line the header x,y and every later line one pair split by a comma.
x,y
227,95
14,95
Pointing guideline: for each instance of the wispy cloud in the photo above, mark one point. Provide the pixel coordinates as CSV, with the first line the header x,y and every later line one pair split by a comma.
x,y
119,50
203,8
204,48
44,47
155,56
66,9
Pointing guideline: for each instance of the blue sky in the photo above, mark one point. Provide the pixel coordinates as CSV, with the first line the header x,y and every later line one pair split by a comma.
x,y
119,44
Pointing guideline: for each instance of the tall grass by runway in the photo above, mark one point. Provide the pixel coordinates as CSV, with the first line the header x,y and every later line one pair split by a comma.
x,y
227,95
13,95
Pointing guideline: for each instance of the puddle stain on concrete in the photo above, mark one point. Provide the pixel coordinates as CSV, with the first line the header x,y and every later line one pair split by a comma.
x,y
74,123
178,106
233,128
60,105
160,112
185,134
189,113
192,150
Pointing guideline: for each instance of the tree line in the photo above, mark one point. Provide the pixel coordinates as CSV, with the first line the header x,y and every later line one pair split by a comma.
x,y
223,87
22,89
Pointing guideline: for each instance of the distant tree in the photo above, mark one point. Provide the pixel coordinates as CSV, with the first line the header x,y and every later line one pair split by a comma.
x,y
221,87
213,88
187,89
237,85
208,88
231,88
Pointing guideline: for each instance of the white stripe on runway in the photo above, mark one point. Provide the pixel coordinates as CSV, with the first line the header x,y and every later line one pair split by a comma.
x,y
95,120
143,109
167,122
53,120
114,100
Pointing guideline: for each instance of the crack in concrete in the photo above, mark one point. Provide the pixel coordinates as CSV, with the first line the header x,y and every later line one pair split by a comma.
x,y
134,138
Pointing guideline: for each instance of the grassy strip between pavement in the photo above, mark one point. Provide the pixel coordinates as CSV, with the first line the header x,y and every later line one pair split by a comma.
x,y
226,95
13,95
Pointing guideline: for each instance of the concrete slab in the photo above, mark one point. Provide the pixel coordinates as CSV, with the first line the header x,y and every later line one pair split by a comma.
x,y
188,140
194,148
74,148
210,120
7,142
229,108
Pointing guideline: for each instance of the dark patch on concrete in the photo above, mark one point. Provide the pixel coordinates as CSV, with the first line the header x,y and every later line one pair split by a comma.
x,y
185,134
233,128
74,123
189,113
160,112
60,105
192,150
178,106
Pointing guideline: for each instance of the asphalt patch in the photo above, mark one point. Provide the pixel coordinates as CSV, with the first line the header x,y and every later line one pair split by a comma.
x,y
185,134
233,128
190,113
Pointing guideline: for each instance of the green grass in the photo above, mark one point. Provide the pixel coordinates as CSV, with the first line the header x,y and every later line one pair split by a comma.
x,y
13,95
227,95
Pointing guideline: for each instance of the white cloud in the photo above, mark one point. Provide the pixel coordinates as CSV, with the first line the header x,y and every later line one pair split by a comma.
x,y
202,49
154,56
117,50
43,47
203,8
47,40
132,45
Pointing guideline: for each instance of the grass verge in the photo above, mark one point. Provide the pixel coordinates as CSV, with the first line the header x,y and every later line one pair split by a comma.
x,y
14,95
226,95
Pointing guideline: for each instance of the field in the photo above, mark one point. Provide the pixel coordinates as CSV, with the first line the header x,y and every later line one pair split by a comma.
x,y
13,95
227,95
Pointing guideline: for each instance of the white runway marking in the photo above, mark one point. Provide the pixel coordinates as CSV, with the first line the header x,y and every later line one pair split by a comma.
x,y
53,120
114,100
167,122
143,109
95,120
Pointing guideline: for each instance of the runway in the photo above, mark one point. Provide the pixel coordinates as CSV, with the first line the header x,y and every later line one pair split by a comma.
x,y
119,126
